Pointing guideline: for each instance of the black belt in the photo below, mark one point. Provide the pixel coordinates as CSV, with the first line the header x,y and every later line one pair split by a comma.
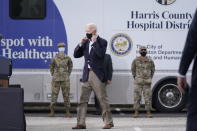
x,y
89,69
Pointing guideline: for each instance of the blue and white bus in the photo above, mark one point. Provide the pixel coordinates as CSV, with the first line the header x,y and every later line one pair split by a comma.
x,y
31,30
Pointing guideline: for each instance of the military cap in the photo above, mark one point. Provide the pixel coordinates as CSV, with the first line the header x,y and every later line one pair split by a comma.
x,y
61,45
143,48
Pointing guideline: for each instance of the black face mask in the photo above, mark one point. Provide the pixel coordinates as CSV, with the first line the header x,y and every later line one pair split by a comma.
x,y
143,53
88,35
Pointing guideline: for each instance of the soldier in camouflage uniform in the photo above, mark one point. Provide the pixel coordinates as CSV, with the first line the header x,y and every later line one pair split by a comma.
x,y
143,69
60,68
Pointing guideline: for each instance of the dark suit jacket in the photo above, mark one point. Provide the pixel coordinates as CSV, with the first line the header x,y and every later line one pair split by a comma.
x,y
95,58
190,51
108,67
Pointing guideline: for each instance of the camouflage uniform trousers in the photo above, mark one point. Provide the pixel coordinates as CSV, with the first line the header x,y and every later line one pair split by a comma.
x,y
147,93
65,87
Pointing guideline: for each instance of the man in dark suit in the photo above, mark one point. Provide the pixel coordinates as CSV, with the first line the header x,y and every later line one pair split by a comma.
x,y
189,53
93,48
108,69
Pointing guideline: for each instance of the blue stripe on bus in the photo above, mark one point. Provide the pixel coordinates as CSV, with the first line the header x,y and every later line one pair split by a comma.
x,y
52,27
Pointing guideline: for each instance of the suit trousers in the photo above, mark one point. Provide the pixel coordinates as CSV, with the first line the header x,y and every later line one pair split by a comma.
x,y
192,110
99,89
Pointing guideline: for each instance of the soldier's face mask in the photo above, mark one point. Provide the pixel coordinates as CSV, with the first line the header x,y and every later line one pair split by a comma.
x,y
143,52
61,49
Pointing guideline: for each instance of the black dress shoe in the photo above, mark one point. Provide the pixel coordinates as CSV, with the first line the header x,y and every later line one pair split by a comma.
x,y
79,127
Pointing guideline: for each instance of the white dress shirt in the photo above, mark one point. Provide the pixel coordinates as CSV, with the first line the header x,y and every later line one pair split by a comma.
x,y
90,47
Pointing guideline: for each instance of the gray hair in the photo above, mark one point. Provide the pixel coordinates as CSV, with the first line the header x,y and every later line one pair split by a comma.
x,y
92,25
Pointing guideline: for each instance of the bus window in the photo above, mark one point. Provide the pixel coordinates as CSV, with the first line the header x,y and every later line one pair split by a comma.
x,y
27,9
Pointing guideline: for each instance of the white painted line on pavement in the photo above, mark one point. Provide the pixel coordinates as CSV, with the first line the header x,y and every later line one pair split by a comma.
x,y
137,129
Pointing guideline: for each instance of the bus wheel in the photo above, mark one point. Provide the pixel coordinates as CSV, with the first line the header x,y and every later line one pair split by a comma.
x,y
167,97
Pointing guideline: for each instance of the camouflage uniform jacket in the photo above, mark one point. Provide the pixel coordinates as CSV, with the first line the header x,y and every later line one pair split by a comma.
x,y
143,70
61,67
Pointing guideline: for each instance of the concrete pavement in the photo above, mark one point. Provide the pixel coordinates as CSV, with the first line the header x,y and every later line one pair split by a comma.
x,y
94,123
